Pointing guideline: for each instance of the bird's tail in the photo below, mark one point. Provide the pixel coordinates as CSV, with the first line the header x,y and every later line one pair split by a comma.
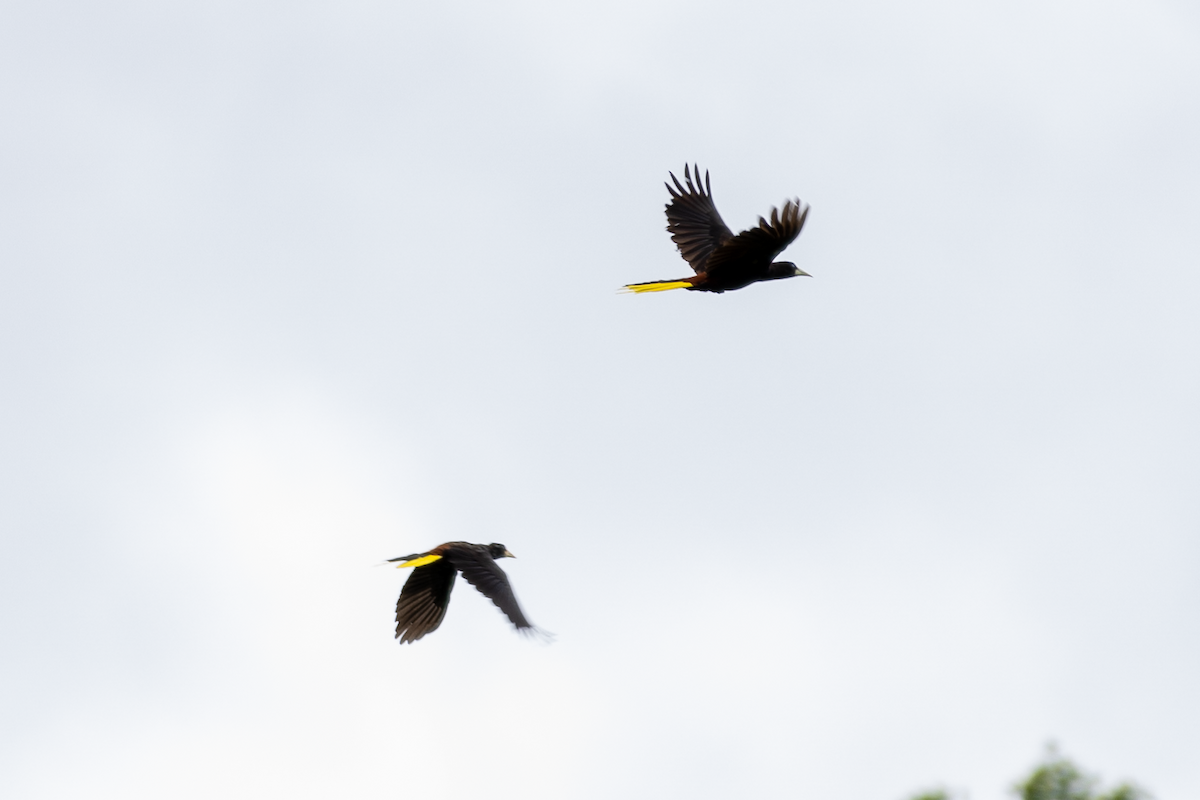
x,y
414,560
659,286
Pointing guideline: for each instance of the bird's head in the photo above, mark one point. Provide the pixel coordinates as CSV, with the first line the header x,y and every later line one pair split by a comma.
x,y
784,269
499,551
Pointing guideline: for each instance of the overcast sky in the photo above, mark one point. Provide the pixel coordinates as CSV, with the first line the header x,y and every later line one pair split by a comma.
x,y
287,289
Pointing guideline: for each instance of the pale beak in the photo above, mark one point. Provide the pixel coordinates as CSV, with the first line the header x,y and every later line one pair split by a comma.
x,y
508,554
800,272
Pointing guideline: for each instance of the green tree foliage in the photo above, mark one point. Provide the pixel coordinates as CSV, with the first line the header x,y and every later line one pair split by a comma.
x,y
935,794
1056,778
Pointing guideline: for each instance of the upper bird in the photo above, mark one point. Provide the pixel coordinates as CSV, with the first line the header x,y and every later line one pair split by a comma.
x,y
426,593
724,262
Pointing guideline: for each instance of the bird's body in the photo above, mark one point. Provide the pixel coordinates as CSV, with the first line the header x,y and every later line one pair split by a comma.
x,y
724,262
426,594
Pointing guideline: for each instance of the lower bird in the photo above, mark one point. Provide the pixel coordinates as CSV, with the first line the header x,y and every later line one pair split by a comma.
x,y
724,262
426,594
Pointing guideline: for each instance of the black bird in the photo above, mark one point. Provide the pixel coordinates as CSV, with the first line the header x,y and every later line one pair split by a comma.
x,y
724,262
426,593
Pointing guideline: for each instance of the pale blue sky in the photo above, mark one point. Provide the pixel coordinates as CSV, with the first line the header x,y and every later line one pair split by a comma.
x,y
287,289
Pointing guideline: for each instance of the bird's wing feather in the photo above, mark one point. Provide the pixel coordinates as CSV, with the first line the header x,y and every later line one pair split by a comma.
x,y
482,572
423,600
760,245
692,219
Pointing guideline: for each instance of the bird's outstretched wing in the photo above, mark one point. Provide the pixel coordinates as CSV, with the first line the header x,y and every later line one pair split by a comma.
x,y
692,219
482,572
761,244
423,600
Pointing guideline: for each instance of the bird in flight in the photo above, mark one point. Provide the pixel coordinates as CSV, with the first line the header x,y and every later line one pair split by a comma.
x,y
724,262
426,593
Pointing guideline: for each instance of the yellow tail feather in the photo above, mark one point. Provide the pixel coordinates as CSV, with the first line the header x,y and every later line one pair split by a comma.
x,y
418,562
656,286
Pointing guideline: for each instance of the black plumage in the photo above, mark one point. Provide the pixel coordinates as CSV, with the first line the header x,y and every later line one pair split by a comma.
x,y
426,594
722,261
